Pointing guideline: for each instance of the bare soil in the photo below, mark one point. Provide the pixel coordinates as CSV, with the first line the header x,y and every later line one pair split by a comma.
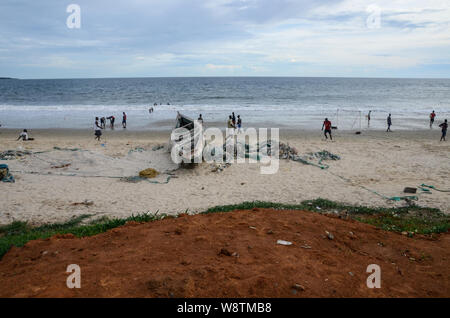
x,y
232,254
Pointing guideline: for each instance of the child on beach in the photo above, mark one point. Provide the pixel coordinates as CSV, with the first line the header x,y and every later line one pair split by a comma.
x,y
327,126
389,123
103,122
432,116
444,127
97,129
24,136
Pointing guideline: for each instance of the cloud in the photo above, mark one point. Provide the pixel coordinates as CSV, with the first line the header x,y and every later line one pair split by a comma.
x,y
244,37
222,67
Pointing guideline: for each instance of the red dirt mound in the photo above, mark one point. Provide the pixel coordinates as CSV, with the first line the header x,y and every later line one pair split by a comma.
x,y
232,255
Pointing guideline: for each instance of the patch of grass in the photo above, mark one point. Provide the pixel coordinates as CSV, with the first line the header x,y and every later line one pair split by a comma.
x,y
412,219
19,233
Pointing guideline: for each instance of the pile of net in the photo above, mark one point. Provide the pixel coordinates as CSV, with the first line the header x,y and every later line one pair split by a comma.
x,y
311,158
268,148
13,154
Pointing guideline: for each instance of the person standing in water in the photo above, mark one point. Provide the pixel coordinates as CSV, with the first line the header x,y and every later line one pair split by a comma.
x,y
124,120
444,127
327,126
97,129
368,118
432,117
389,123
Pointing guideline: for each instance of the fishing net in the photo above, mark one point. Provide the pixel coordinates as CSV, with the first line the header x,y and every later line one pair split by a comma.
x,y
85,163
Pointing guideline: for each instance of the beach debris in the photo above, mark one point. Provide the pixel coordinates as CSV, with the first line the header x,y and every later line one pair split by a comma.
x,y
305,246
224,251
312,158
330,236
148,173
298,287
219,167
269,232
5,176
282,242
137,149
410,190
158,147
13,154
65,165
85,203
351,274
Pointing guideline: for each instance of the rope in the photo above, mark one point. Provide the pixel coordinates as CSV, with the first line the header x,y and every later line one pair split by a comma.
x,y
424,187
130,179
397,199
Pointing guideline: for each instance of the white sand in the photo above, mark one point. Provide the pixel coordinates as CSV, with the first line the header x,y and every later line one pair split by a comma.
x,y
383,162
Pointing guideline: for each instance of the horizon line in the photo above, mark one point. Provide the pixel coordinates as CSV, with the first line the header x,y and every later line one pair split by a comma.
x,y
237,76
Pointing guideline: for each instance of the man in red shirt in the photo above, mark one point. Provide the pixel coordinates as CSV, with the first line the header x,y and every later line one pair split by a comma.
x,y
327,126
432,116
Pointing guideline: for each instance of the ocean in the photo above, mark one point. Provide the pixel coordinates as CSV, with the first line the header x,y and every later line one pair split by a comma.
x,y
300,103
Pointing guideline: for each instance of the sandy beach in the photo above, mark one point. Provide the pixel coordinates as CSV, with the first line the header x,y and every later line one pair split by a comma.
x,y
375,160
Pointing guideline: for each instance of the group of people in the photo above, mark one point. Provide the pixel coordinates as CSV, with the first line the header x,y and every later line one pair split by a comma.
x,y
234,123
443,126
101,124
326,127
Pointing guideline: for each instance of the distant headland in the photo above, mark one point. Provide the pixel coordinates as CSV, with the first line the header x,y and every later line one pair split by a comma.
x,y
7,78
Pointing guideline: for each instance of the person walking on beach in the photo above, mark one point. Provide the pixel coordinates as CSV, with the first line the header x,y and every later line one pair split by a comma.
x,y
24,136
97,129
124,120
233,119
389,123
327,126
368,118
432,117
239,124
444,127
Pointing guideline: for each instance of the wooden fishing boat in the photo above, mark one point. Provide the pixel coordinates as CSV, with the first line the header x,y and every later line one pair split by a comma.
x,y
185,138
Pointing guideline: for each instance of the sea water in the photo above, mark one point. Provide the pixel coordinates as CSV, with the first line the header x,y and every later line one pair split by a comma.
x,y
300,103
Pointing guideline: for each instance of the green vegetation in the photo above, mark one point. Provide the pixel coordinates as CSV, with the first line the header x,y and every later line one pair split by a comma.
x,y
19,233
411,219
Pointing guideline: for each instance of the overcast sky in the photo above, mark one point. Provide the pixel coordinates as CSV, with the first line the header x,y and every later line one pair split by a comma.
x,y
140,38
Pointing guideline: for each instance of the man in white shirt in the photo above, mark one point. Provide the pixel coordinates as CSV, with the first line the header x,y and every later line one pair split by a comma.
x,y
24,136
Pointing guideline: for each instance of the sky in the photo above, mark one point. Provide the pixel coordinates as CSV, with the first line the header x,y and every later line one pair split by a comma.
x,y
166,38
